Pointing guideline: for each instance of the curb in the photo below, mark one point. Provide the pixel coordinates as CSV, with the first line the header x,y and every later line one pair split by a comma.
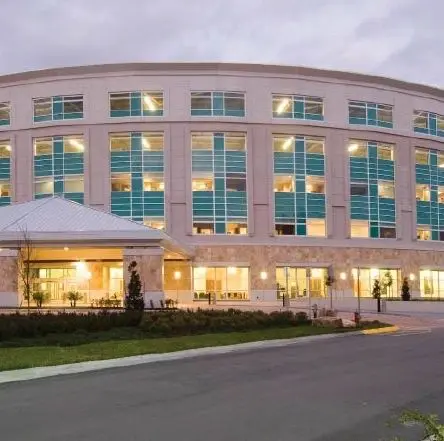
x,y
90,366
386,330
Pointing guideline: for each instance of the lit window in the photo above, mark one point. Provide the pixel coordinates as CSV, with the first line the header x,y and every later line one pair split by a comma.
x,y
357,149
120,182
43,146
423,233
283,143
284,184
441,160
235,141
73,144
422,192
44,186
358,189
202,141
236,182
235,228
385,152
386,190
152,101
234,103
440,122
314,146
203,228
156,223
420,119
74,184
285,229
5,150
315,184
422,156
282,104
153,182
384,113
298,107
120,142
441,194
43,108
316,227
203,183
5,189
359,228
5,113
152,142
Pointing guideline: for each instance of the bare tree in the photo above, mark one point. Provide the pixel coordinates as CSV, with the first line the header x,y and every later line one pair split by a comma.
x,y
26,275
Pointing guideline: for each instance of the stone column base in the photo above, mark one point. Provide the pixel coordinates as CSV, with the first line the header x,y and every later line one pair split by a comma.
x,y
9,300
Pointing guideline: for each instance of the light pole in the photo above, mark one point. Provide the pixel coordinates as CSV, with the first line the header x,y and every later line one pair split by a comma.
x,y
359,291
309,291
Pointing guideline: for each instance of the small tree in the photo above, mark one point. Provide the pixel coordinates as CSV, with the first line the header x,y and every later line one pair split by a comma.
x,y
405,289
329,280
74,297
39,298
134,299
387,283
376,292
26,274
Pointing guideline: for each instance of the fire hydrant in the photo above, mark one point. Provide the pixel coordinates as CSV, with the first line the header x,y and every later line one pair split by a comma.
x,y
357,318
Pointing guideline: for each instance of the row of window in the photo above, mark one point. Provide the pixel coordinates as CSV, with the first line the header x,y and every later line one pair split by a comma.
x,y
219,182
151,103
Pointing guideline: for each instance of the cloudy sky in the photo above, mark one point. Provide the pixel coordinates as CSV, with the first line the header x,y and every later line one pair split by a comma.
x,y
397,38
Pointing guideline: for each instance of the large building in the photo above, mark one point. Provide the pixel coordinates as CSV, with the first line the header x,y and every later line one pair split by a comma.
x,y
267,179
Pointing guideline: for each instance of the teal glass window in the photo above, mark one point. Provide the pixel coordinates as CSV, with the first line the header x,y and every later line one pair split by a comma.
x,y
5,172
428,123
5,114
218,104
370,114
372,189
58,108
138,103
219,183
429,193
299,185
137,177
298,107
59,167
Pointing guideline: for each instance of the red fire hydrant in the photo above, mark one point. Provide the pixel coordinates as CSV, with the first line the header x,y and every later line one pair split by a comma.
x,y
357,318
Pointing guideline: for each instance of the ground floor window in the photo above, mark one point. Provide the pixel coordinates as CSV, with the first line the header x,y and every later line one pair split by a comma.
x,y
431,283
296,282
94,281
364,280
221,283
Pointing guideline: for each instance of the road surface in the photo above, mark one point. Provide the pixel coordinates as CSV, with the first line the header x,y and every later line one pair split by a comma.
x,y
334,390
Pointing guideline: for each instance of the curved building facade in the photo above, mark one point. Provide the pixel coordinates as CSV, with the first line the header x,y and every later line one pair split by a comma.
x,y
276,177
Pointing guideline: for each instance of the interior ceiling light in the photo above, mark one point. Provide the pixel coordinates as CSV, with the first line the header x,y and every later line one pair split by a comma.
x,y
76,143
283,105
150,103
288,142
352,147
146,144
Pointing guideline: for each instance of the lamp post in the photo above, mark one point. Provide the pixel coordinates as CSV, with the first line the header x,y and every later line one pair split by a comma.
x,y
359,291
309,291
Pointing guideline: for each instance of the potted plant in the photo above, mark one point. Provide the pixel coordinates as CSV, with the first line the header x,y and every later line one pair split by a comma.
x,y
74,297
405,289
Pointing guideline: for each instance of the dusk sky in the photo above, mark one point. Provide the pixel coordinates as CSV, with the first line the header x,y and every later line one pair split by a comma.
x,y
396,38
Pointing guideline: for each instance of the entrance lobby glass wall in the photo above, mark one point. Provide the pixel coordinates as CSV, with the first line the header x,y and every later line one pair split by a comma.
x,y
431,283
365,279
297,282
221,283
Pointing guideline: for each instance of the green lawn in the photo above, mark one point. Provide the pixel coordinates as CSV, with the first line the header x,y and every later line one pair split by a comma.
x,y
50,355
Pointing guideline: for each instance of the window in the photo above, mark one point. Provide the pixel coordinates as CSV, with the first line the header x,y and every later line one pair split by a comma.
x,y
420,120
73,144
156,223
441,194
43,146
298,107
153,182
236,228
5,114
120,182
358,189
370,114
440,123
152,142
5,150
285,229
386,190
235,182
423,233
43,185
364,279
314,146
440,160
385,152
120,142
202,183
283,144
203,228
428,123
235,141
422,156
218,104
316,227
422,192
387,232
74,184
357,149
221,283
284,184
315,184
359,228
300,282
138,103
5,189
58,108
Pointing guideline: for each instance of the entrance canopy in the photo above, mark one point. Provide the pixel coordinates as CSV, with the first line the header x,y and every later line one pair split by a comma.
x,y
59,222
